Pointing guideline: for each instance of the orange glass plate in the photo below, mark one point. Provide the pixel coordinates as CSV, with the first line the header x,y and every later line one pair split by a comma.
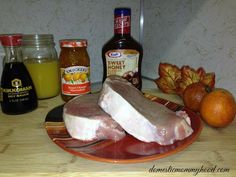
x,y
127,150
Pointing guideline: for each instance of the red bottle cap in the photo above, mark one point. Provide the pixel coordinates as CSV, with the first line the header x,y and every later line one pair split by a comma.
x,y
73,43
11,39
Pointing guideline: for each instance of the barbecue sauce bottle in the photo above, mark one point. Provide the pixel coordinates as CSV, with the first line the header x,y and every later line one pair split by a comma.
x,y
122,55
18,94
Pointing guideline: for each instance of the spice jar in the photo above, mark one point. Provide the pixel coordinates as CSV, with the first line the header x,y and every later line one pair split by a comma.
x,y
41,60
75,68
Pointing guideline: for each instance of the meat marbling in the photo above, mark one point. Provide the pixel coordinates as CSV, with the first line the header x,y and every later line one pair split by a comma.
x,y
144,119
85,120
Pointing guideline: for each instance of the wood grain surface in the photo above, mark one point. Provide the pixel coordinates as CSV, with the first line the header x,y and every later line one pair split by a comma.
x,y
26,150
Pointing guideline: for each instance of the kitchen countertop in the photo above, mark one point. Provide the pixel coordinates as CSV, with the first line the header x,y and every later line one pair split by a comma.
x,y
26,149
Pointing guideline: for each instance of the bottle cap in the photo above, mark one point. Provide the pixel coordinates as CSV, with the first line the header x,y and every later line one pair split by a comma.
x,y
122,11
122,20
11,39
73,43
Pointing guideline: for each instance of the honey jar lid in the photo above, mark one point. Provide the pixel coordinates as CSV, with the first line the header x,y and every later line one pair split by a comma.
x,y
73,43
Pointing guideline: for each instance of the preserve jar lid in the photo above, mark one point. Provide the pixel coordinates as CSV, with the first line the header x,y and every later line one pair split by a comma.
x,y
73,43
11,39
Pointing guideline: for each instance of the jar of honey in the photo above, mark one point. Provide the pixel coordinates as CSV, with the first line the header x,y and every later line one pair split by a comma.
x,y
41,60
75,68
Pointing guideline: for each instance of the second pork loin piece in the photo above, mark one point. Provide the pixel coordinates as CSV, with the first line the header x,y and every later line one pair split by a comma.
x,y
144,119
85,120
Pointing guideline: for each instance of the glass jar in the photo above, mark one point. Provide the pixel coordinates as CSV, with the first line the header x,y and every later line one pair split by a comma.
x,y
41,60
75,68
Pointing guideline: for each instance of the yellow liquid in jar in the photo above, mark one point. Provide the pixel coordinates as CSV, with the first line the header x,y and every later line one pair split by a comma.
x,y
45,76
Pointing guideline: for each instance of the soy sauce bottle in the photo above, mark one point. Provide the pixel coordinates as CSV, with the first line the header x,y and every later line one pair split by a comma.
x,y
122,54
17,89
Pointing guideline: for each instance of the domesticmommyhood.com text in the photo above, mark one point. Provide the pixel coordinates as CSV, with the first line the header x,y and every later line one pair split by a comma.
x,y
194,171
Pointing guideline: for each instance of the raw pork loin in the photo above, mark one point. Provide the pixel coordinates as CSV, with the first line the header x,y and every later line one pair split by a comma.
x,y
85,120
146,120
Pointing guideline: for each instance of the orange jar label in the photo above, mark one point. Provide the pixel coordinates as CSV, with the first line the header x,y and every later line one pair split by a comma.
x,y
75,80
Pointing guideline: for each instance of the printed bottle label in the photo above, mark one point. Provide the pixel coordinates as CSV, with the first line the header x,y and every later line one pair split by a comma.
x,y
122,24
75,80
17,93
122,62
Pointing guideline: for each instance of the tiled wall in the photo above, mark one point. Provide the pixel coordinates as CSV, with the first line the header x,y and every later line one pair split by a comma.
x,y
182,32
192,32
90,19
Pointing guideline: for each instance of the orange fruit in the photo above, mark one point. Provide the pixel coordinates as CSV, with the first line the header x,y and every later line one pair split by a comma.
x,y
83,77
76,76
68,77
193,95
218,108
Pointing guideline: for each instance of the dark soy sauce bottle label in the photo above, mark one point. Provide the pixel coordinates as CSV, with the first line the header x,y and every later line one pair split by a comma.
x,y
18,92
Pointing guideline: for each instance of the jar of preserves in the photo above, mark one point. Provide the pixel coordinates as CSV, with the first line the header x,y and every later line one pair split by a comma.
x,y
75,68
41,60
